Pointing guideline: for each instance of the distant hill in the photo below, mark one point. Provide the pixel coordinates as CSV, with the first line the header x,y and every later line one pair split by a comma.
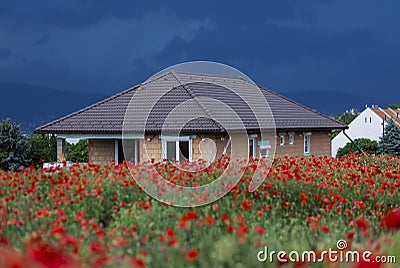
x,y
31,106
332,103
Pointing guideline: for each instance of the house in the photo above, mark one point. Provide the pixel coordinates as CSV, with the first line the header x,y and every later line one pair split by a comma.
x,y
368,124
300,131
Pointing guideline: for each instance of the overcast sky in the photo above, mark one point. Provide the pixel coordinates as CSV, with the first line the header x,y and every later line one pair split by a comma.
x,y
107,46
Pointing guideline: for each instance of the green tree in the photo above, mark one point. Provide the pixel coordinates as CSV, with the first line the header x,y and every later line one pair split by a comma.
x,y
43,149
77,152
367,145
14,149
393,106
347,117
390,142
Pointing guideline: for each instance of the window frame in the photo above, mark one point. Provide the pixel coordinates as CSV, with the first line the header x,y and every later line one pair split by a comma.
x,y
164,147
291,139
307,144
282,139
253,138
266,146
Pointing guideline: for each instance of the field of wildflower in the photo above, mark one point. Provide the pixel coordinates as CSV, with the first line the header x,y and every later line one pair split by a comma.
x,y
97,216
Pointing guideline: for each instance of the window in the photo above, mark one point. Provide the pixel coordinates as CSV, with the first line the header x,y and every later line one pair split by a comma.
x,y
127,149
370,119
175,149
252,146
171,150
264,147
282,140
365,120
291,139
307,141
264,152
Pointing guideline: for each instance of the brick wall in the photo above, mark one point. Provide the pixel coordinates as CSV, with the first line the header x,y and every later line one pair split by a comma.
x,y
320,144
219,140
101,151
154,146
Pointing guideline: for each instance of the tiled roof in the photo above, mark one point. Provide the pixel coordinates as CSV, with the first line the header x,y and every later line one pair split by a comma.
x,y
107,116
388,114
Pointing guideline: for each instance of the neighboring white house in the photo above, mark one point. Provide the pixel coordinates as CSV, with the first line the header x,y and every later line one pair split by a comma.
x,y
367,124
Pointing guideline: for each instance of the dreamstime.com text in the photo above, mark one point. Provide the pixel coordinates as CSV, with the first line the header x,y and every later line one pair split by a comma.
x,y
330,255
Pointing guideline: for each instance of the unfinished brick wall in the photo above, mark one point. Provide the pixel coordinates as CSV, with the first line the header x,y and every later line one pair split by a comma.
x,y
220,141
320,144
154,146
101,151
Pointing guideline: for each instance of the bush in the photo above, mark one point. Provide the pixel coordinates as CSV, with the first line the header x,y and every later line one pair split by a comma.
x,y
43,149
77,152
365,144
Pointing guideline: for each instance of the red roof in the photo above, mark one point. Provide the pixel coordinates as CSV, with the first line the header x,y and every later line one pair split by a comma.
x,y
388,114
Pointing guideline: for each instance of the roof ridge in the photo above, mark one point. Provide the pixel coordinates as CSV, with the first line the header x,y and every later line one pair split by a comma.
x,y
87,108
302,106
383,111
394,112
390,117
208,74
193,96
156,77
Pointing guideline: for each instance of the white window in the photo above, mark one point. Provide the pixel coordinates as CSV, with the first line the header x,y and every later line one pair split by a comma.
x,y
307,141
281,139
176,149
264,147
253,146
126,149
291,139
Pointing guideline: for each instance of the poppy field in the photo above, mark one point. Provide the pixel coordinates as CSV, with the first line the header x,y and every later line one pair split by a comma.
x,y
97,216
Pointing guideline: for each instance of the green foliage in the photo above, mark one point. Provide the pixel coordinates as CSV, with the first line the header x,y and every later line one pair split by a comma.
x,y
14,149
77,152
365,144
390,144
347,117
43,149
394,106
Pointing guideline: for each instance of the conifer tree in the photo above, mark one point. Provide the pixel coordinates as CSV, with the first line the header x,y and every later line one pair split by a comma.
x,y
14,149
390,142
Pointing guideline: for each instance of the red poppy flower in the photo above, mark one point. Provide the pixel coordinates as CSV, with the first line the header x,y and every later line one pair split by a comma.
x,y
362,223
48,257
259,230
392,219
229,228
325,229
192,255
95,247
135,262
245,204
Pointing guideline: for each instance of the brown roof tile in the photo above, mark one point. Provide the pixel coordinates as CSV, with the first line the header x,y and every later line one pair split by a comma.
x,y
107,116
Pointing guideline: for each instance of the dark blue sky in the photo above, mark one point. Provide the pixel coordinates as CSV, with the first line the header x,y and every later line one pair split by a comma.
x,y
107,46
